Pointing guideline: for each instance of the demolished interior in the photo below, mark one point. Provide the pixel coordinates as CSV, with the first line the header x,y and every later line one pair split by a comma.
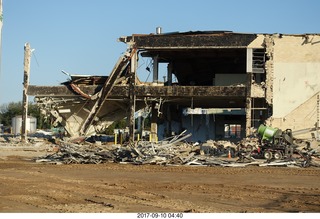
x,y
218,85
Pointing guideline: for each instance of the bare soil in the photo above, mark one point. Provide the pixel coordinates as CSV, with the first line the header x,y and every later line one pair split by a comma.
x,y
30,187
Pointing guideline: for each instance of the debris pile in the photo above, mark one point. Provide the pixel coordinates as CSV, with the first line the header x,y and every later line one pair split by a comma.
x,y
175,151
33,138
37,143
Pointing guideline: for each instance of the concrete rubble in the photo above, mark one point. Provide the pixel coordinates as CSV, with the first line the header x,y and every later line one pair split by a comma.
x,y
36,145
177,151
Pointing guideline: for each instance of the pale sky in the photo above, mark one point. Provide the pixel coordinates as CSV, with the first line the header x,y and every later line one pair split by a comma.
x,y
80,37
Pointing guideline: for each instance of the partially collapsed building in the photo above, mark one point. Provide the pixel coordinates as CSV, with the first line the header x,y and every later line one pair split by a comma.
x,y
218,85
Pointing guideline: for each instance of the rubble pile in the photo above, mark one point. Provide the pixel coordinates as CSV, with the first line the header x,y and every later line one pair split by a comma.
x,y
174,151
38,136
143,153
39,142
171,151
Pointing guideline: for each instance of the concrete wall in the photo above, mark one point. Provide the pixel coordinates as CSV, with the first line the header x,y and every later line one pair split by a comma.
x,y
292,85
296,72
296,77
303,117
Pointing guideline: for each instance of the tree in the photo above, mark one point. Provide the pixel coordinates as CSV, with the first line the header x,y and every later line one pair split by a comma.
x,y
10,110
121,124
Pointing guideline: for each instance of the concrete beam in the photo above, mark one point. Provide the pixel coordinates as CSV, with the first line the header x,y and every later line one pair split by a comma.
x,y
190,91
194,40
120,91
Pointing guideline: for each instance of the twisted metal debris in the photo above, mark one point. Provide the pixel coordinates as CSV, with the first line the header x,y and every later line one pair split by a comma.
x,y
176,151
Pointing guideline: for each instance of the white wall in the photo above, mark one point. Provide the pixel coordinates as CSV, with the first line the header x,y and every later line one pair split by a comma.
x,y
296,73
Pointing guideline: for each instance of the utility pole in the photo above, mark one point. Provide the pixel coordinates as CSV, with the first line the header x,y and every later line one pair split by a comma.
x,y
26,72
132,95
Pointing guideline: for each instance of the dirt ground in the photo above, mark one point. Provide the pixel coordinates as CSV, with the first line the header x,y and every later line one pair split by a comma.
x,y
30,187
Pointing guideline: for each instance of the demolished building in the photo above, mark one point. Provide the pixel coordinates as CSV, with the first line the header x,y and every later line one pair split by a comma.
x,y
218,85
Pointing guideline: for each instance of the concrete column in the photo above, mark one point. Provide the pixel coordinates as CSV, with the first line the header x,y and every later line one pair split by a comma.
x,y
154,121
139,125
27,59
169,129
132,95
155,69
169,74
248,93
248,104
249,59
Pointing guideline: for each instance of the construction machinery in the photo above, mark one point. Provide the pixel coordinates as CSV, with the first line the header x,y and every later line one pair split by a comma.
x,y
276,143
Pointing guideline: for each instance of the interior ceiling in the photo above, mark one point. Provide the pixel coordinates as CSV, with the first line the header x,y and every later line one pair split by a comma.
x,y
166,55
199,66
205,102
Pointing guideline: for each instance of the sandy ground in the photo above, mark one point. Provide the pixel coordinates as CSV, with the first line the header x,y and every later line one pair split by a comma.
x,y
27,186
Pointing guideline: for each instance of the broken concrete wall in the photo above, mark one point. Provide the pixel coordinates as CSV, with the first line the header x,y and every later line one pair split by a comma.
x,y
296,72
208,66
258,89
296,75
292,69
269,67
303,117
258,42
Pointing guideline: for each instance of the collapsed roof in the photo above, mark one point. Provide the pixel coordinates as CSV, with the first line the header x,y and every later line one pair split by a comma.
x,y
221,72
